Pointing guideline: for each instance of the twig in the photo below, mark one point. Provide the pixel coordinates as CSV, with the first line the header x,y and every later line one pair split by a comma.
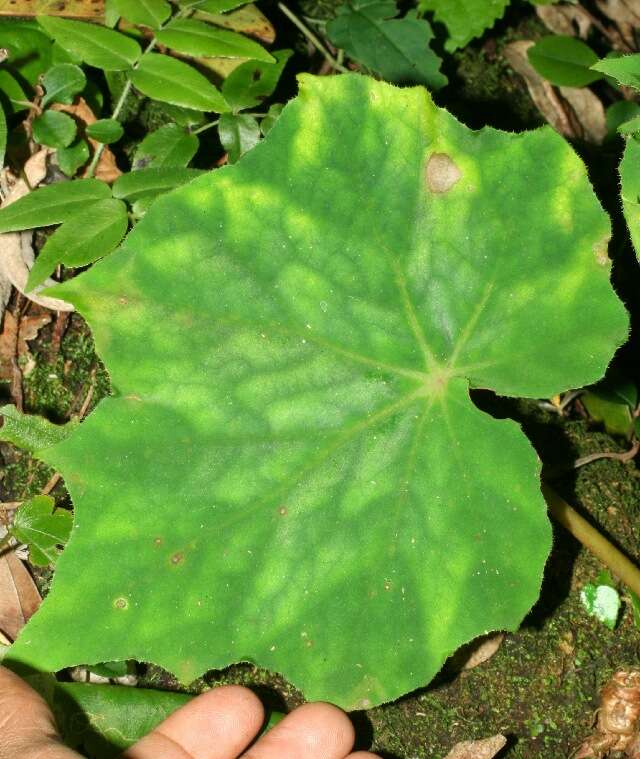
x,y
10,505
205,127
599,546
624,456
55,479
312,38
17,393
89,396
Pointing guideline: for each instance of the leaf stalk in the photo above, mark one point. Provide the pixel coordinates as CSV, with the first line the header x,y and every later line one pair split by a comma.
x,y
599,546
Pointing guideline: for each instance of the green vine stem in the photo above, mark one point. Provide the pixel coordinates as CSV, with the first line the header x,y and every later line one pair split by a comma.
x,y
599,546
312,38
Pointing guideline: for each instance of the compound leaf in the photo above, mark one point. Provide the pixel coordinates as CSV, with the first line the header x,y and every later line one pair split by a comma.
x,y
396,49
51,204
89,234
195,38
163,78
293,472
169,146
93,44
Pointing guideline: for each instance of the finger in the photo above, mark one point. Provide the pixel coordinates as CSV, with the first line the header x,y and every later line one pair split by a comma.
x,y
363,755
218,724
312,731
27,727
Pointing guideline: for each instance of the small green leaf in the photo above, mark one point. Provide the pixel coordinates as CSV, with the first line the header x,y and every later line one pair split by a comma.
x,y
630,127
96,45
619,113
30,49
396,49
33,433
137,184
212,6
601,602
106,131
464,19
198,38
169,146
268,122
91,233
635,605
615,416
238,134
630,189
104,720
564,61
43,528
113,668
252,82
13,98
62,83
625,69
52,204
151,13
54,129
171,81
72,158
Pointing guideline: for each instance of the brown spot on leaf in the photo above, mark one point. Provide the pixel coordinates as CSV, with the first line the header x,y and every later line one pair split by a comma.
x,y
601,251
441,173
282,511
121,603
177,557
157,541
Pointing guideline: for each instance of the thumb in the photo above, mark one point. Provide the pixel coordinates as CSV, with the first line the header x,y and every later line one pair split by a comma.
x,y
27,727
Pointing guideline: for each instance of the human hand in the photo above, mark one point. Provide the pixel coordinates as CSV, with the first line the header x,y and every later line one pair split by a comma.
x,y
219,724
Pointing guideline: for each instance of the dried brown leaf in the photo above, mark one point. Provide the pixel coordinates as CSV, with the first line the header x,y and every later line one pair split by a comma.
x,y
626,16
476,652
19,597
12,345
571,20
84,9
246,20
485,748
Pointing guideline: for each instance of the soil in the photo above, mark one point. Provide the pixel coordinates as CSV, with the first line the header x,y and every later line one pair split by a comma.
x,y
541,688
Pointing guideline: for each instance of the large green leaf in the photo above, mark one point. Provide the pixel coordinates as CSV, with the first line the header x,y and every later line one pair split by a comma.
x,y
171,81
396,49
465,19
93,44
291,471
193,37
55,129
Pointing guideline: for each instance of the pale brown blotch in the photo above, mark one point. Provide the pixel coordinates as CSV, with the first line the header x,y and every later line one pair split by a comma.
x,y
441,173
